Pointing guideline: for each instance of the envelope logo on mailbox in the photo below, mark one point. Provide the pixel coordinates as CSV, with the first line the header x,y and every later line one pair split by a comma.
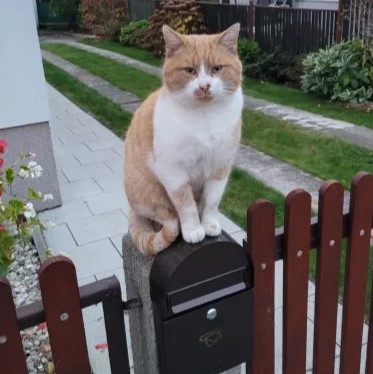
x,y
212,338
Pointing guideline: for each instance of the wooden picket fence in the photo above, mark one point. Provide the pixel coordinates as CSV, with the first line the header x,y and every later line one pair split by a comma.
x,y
61,308
63,300
293,244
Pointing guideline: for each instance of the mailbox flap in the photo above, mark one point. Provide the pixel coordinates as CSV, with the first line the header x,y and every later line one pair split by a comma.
x,y
187,275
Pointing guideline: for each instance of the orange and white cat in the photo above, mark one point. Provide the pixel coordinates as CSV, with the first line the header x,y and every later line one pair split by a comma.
x,y
182,141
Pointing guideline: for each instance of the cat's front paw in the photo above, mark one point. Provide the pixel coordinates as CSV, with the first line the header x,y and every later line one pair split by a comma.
x,y
212,227
194,235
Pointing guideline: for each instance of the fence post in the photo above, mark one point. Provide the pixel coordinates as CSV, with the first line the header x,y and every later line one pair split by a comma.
x,y
339,25
251,20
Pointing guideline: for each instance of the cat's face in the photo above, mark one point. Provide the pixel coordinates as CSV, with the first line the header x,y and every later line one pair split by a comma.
x,y
202,68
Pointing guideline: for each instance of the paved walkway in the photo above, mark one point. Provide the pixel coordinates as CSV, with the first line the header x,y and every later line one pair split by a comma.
x,y
344,130
93,218
276,174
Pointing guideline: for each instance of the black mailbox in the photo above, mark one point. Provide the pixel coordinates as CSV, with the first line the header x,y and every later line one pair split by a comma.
x,y
202,299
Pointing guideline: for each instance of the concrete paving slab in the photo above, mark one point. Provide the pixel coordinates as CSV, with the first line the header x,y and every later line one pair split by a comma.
x,y
92,157
59,239
108,183
76,173
94,228
100,144
79,189
69,211
94,258
115,164
108,202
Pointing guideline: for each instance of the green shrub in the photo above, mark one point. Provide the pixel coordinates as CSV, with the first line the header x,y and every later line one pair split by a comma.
x,y
184,16
343,72
278,66
248,51
134,34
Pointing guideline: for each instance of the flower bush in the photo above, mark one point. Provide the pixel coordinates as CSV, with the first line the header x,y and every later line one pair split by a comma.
x,y
17,217
343,72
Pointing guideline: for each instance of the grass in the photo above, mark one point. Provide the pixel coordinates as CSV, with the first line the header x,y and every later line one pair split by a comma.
x,y
241,191
105,111
135,53
126,78
298,99
320,155
276,93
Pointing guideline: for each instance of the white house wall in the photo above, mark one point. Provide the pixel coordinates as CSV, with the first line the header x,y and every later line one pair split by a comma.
x,y
23,95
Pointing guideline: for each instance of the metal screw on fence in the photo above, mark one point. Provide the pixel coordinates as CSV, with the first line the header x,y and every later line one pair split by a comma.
x,y
263,266
64,317
331,243
299,253
3,339
362,232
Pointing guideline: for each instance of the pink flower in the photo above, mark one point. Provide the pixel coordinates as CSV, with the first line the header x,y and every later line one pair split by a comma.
x,y
3,145
1,162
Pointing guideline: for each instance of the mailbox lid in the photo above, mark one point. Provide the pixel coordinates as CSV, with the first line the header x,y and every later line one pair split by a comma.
x,y
193,343
186,270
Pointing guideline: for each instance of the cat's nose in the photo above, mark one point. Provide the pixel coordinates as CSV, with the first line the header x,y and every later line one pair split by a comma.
x,y
204,87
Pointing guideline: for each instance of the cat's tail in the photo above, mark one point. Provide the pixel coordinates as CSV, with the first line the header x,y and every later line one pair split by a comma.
x,y
146,239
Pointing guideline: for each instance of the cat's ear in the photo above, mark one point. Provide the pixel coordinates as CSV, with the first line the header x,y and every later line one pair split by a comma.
x,y
229,38
172,39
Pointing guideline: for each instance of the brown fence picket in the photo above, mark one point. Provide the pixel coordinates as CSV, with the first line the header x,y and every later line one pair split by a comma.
x,y
361,207
60,295
296,263
327,276
261,246
12,357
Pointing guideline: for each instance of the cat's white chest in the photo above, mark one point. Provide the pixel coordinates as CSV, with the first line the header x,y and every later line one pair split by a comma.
x,y
190,138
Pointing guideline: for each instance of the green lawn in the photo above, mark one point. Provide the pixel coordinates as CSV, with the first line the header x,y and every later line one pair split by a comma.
x,y
269,91
298,99
320,155
122,76
105,111
135,53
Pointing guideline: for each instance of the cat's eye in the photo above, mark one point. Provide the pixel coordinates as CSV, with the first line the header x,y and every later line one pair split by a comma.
x,y
190,70
216,68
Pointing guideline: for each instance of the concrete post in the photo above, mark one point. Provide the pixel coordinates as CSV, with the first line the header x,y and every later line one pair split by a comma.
x,y
143,340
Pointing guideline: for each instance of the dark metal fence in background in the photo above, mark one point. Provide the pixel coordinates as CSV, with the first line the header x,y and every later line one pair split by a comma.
x,y
290,29
296,30
219,17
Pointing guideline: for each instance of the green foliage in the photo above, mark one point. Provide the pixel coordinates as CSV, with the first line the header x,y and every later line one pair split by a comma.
x,y
183,16
17,216
278,66
64,7
343,72
248,51
134,34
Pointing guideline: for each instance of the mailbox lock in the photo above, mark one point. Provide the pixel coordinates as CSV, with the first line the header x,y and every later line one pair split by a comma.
x,y
211,313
